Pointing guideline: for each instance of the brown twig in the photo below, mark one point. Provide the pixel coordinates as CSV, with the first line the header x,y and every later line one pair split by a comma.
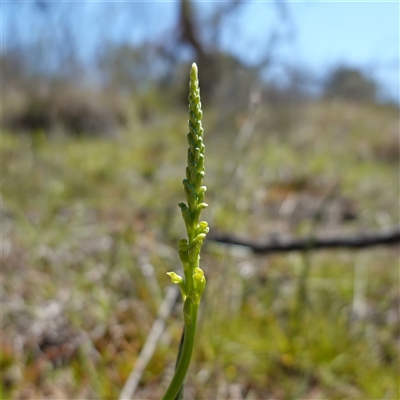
x,y
277,245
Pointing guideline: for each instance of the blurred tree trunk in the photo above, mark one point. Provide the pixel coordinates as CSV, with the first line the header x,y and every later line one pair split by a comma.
x,y
189,35
210,60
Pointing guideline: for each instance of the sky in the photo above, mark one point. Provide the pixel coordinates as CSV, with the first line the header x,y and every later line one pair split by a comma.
x,y
368,36
315,35
321,35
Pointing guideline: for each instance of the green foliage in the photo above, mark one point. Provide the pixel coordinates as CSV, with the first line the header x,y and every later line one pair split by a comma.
x,y
350,84
63,107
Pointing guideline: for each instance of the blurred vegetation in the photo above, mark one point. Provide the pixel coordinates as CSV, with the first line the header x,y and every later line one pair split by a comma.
x,y
92,173
351,84
90,228
49,82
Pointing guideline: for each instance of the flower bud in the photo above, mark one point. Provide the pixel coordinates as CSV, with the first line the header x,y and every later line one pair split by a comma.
x,y
199,281
175,278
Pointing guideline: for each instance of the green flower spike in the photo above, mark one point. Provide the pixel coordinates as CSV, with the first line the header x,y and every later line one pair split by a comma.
x,y
192,287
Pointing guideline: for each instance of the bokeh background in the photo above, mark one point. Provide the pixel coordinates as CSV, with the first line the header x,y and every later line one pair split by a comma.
x,y
301,118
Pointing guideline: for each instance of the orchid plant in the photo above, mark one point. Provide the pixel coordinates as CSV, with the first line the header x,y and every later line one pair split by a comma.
x,y
193,283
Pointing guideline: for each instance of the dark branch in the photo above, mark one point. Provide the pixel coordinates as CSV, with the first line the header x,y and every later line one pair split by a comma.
x,y
188,30
276,245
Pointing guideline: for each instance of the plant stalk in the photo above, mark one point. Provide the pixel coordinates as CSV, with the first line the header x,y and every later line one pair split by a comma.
x,y
185,357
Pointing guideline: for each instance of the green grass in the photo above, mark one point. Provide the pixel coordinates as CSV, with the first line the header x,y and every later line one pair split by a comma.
x,y
81,217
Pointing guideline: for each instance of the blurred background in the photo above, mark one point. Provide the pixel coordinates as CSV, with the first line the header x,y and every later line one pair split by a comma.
x,y
301,107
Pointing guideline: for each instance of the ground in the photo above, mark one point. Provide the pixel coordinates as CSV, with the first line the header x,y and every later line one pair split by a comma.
x,y
90,228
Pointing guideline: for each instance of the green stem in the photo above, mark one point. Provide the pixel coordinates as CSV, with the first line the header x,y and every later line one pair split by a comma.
x,y
179,396
186,355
